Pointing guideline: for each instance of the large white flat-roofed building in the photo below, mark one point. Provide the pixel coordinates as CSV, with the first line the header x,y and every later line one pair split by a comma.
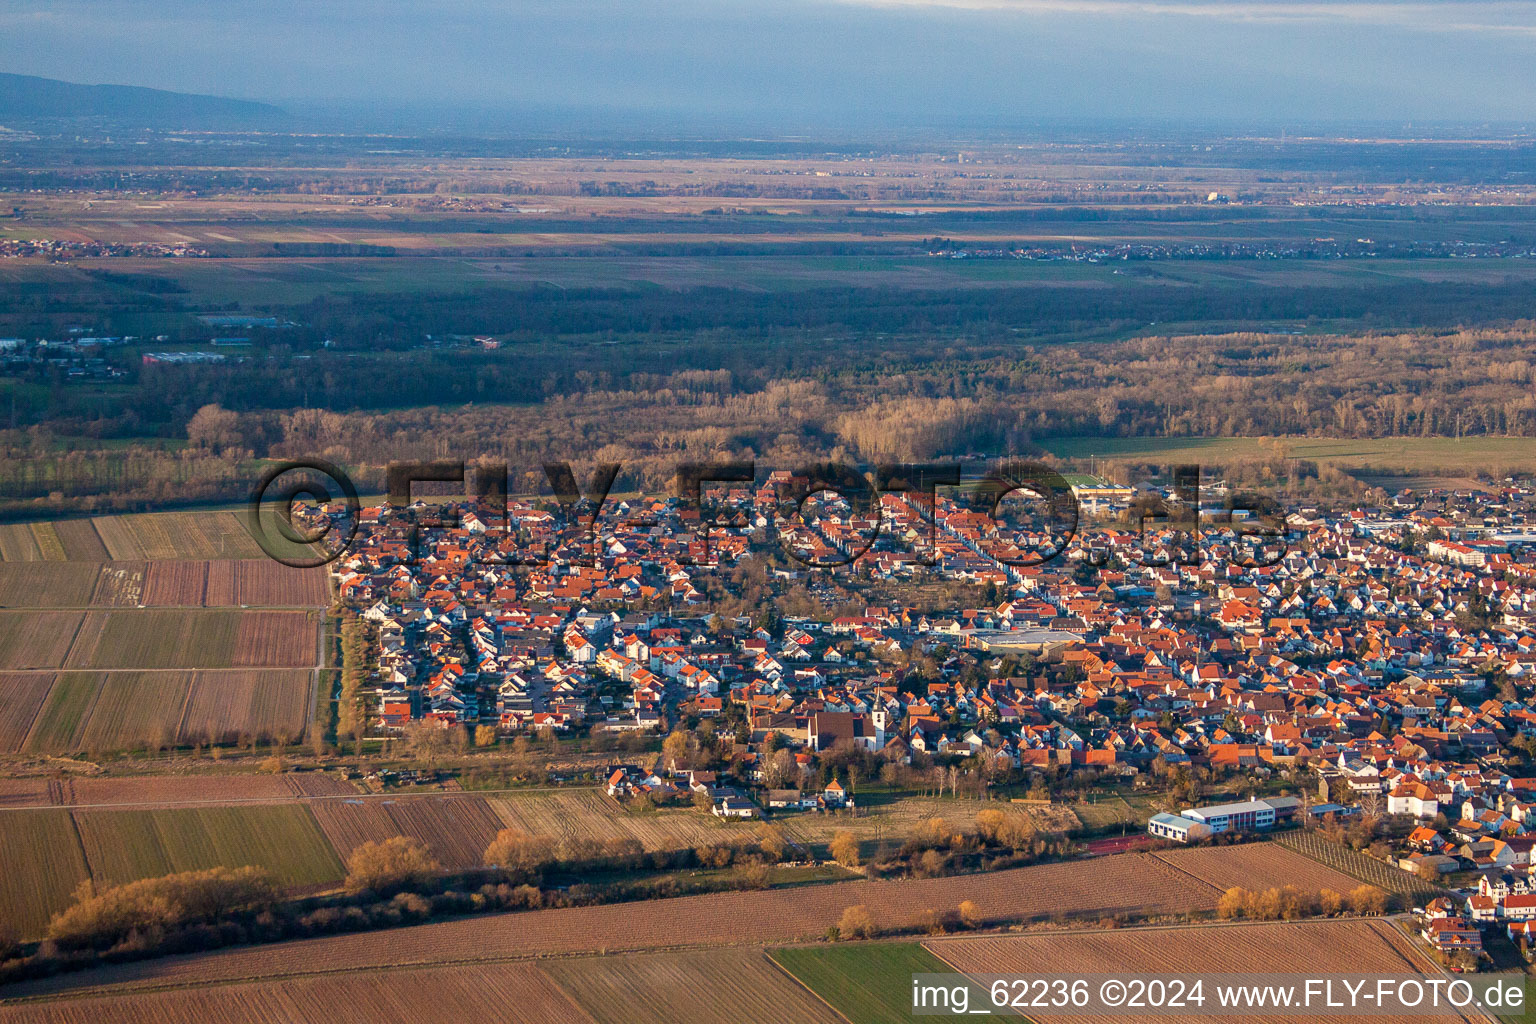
x,y
1248,816
1041,642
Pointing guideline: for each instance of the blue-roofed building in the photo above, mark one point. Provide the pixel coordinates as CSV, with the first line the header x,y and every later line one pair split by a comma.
x,y
1177,828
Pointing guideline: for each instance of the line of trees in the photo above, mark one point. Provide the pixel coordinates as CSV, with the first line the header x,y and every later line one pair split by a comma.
x,y
1289,903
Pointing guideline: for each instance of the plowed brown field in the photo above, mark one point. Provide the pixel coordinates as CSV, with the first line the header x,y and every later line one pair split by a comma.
x,y
21,698
275,639
510,993
1257,866
264,583
36,639
224,705
1337,947
457,829
724,986
1128,882
174,789
176,583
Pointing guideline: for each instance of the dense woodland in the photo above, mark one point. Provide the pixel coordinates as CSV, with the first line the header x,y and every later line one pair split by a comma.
x,y
809,367
639,404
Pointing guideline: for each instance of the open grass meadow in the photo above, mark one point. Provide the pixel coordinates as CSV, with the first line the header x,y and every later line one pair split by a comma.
x,y
868,983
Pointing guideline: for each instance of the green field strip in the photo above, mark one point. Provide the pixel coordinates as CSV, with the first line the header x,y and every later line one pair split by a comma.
x,y
61,721
868,982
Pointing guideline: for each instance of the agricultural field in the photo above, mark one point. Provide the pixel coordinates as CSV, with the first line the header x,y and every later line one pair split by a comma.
x,y
18,543
168,536
176,584
156,639
868,983
25,793
48,584
255,583
516,993
107,711
166,639
80,541
275,640
318,784
1357,865
223,706
57,726
193,789
1256,865
71,540
37,640
131,708
21,698
725,986
1362,947
169,790
456,829
1128,883
265,583
175,690
43,862
119,585
124,845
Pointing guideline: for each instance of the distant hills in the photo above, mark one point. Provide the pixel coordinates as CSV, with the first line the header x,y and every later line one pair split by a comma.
x,y
27,97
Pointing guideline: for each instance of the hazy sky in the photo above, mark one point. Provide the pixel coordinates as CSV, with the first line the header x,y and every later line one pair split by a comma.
x,y
785,62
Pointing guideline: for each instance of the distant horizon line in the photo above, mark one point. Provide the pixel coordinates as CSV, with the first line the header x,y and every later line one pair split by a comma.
x,y
404,116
